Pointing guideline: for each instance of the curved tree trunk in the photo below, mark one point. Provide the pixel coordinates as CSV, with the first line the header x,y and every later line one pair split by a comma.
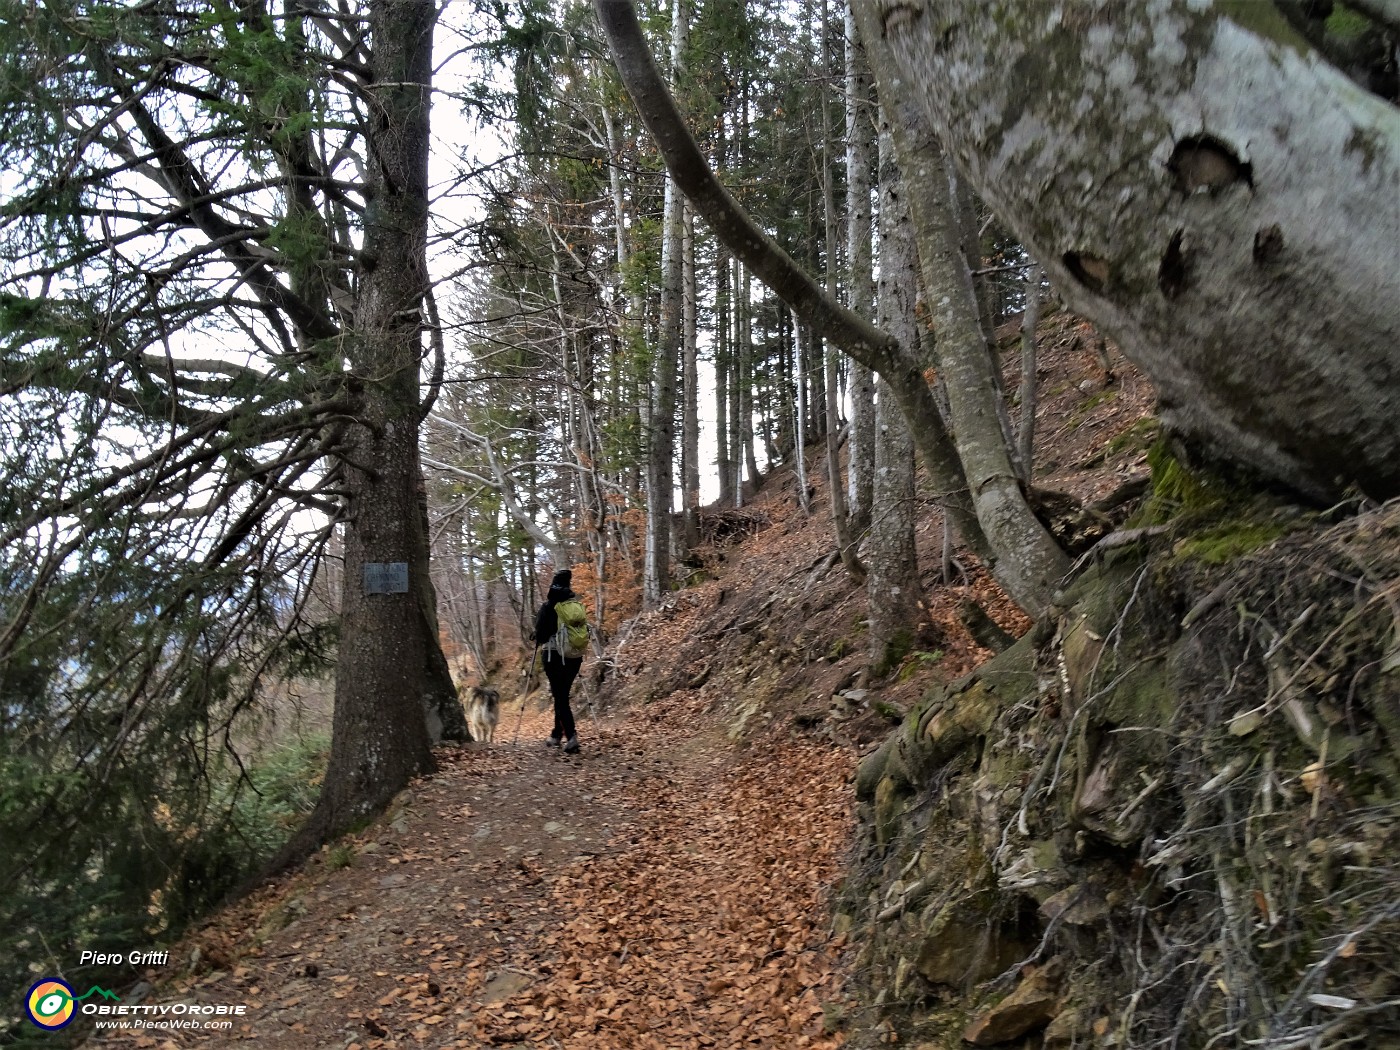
x,y
856,335
1232,217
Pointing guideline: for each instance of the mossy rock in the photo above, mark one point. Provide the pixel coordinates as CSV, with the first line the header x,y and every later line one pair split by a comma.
x,y
1162,650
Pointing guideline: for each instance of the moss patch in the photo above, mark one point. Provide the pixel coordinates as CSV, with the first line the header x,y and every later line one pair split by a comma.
x,y
1347,24
895,650
1231,540
1218,521
1139,437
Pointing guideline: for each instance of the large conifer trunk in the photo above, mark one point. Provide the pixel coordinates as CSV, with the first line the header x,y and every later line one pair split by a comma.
x,y
379,738
1209,191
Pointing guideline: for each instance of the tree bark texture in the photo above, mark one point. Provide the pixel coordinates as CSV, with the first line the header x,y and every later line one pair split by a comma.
x,y
1209,191
379,738
892,586
1024,549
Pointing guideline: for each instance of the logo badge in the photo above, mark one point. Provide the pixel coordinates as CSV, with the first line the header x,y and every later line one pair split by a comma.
x,y
51,1004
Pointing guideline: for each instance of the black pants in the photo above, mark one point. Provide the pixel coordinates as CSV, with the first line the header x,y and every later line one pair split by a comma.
x,y
561,673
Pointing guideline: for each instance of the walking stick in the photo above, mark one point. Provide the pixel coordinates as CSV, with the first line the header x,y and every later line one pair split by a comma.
x,y
525,694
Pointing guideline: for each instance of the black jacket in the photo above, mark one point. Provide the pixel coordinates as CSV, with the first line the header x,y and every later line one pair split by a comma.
x,y
547,620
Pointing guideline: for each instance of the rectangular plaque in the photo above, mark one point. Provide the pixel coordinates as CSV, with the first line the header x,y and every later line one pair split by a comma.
x,y
386,577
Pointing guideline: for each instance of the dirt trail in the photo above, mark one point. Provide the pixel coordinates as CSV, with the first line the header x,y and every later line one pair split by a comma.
x,y
663,889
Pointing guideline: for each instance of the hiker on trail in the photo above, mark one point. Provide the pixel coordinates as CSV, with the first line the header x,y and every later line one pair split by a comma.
x,y
557,633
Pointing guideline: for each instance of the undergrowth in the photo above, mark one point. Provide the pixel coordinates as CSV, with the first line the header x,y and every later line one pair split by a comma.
x,y
163,873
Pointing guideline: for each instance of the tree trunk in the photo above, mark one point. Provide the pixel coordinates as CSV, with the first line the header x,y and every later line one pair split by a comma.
x,y
379,739
690,413
661,437
739,427
1024,549
1231,219
840,516
737,230
860,451
724,457
970,237
1025,435
859,134
799,438
893,587
747,382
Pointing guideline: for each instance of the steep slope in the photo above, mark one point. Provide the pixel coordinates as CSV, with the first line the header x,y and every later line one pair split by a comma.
x,y
772,628
674,886
1167,817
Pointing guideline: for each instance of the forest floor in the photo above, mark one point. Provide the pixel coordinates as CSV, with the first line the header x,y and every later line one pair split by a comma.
x,y
662,889
671,886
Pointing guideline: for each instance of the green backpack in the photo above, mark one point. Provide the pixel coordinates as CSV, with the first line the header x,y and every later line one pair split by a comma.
x,y
571,639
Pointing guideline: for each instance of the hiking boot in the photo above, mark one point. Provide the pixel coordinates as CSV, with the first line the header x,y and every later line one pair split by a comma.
x,y
571,748
552,741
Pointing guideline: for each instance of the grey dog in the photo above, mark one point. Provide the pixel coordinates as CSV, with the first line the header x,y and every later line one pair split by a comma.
x,y
483,712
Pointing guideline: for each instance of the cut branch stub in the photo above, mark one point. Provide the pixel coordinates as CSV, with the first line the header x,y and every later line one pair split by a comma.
x,y
1268,245
1089,270
1203,162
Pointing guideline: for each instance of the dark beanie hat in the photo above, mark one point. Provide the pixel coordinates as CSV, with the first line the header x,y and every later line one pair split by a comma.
x,y
563,578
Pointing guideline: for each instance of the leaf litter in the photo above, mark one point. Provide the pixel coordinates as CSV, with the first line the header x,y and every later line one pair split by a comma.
x,y
665,889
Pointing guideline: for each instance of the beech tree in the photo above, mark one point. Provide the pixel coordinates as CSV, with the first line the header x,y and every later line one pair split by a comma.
x,y
1196,225
661,422
859,106
1024,547
1231,216
1028,576
893,588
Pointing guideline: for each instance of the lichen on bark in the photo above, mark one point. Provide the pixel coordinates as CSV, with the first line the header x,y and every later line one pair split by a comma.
x,y
1274,333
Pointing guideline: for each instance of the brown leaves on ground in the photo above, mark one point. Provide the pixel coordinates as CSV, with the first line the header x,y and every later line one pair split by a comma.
x,y
665,889
710,928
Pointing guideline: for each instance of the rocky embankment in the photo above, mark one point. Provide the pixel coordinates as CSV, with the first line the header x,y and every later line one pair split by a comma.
x,y
1166,817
